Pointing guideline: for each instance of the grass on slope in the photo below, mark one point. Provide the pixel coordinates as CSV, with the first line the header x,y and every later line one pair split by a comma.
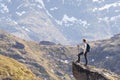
x,y
32,53
9,68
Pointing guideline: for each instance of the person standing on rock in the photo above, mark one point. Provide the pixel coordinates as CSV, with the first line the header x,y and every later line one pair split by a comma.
x,y
86,49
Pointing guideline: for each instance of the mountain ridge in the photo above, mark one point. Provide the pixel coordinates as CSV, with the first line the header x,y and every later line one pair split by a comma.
x,y
53,62
66,23
43,61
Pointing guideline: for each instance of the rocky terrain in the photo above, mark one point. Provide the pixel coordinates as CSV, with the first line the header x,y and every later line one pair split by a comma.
x,y
106,53
46,61
51,23
54,62
82,72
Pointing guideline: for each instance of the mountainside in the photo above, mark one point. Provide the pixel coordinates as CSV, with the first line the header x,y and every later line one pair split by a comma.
x,y
48,62
82,72
27,19
54,62
13,70
61,21
85,18
106,53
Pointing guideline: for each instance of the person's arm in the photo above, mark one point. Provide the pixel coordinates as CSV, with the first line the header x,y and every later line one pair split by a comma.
x,y
78,46
85,47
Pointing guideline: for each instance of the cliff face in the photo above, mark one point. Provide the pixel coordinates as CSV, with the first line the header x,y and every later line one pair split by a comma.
x,y
81,72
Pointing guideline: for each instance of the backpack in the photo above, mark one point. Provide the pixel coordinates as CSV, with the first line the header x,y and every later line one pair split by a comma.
x,y
88,48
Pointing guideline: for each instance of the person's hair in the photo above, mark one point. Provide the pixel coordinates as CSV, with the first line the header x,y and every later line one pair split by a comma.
x,y
84,40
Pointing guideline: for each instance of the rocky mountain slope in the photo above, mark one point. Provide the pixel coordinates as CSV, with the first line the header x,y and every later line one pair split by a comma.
x,y
48,62
82,72
10,69
61,21
54,62
106,53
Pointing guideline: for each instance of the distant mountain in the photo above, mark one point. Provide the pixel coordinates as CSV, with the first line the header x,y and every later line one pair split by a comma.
x,y
28,19
85,18
61,21
105,53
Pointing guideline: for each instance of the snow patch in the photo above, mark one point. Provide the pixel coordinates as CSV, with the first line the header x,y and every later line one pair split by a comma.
x,y
98,1
108,19
64,61
20,13
54,8
39,6
117,10
58,22
107,6
19,6
26,29
15,22
107,57
94,9
115,18
93,60
84,23
95,0
41,2
49,14
5,8
105,19
68,21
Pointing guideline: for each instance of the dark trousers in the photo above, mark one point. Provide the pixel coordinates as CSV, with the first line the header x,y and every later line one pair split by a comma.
x,y
85,55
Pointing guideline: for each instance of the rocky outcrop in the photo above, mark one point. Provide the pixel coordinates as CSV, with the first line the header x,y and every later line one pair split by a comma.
x,y
81,72
19,45
46,43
